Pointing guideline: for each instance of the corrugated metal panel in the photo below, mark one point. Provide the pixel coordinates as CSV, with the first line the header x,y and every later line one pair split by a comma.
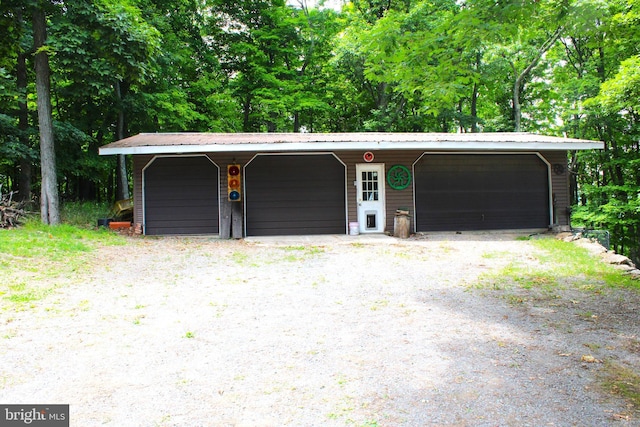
x,y
139,162
156,143
560,185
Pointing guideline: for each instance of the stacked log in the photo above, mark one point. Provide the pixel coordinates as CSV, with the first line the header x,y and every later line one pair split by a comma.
x,y
12,213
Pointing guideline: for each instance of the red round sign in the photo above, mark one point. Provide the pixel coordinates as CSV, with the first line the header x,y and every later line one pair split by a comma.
x,y
368,156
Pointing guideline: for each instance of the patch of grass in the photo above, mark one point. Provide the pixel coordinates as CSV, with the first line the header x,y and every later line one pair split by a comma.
x,y
445,247
514,276
404,255
33,255
621,381
240,257
515,299
84,214
560,264
496,254
592,346
299,253
21,294
570,260
35,240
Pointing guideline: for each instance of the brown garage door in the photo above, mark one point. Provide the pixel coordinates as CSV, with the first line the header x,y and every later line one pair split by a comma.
x,y
181,196
481,192
295,194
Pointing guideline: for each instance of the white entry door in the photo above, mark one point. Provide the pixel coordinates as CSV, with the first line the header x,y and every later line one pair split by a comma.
x,y
370,197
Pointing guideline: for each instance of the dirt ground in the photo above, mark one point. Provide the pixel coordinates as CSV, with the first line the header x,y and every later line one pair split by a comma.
x,y
327,331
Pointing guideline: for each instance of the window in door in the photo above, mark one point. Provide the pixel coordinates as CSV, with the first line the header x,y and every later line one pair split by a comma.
x,y
369,185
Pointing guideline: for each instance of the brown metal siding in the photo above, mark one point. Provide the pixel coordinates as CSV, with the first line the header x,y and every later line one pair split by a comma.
x,y
139,162
394,198
398,198
295,194
560,185
481,192
181,196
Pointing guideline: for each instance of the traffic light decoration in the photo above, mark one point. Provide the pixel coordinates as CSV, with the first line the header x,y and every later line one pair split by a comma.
x,y
233,183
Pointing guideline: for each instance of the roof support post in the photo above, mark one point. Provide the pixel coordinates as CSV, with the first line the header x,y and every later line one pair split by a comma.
x,y
225,219
236,220
231,220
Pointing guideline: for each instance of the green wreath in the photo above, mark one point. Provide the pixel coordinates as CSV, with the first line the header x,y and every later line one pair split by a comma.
x,y
399,177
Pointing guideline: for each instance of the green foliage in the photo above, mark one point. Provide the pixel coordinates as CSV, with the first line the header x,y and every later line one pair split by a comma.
x,y
84,214
11,147
622,92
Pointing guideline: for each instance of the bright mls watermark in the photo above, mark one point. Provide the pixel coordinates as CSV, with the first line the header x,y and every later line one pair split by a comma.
x,y
34,415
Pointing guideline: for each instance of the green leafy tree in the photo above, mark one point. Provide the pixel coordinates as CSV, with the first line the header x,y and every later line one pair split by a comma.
x,y
608,180
271,53
16,45
104,50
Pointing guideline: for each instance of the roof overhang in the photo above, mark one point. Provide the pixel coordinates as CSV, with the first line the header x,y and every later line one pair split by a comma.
x,y
172,143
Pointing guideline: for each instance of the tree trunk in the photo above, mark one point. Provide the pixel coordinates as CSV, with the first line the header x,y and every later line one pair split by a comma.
x,y
24,182
246,114
474,109
517,108
296,122
518,85
49,205
474,95
122,187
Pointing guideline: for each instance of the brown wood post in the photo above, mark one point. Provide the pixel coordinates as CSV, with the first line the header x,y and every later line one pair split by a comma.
x,y
225,219
236,220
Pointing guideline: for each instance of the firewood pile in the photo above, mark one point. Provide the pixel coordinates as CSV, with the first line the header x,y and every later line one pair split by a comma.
x,y
12,212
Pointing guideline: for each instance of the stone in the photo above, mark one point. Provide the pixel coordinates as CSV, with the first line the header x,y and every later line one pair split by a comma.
x,y
614,258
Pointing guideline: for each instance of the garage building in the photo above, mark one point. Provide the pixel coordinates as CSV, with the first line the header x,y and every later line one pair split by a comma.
x,y
306,183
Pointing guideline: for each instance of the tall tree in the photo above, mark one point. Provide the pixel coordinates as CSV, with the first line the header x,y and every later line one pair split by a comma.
x,y
24,183
270,52
105,50
49,202
16,44
608,181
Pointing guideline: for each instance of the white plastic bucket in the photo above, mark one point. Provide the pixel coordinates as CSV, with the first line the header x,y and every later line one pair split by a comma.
x,y
354,229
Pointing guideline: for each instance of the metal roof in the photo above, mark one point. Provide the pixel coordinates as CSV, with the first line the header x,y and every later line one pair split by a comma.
x,y
165,143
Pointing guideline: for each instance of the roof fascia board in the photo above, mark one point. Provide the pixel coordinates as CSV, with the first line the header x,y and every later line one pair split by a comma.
x,y
341,146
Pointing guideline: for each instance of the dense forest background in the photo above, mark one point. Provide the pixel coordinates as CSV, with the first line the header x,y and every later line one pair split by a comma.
x,y
119,67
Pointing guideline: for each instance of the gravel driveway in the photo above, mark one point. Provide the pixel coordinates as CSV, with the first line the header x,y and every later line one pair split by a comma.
x,y
327,331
